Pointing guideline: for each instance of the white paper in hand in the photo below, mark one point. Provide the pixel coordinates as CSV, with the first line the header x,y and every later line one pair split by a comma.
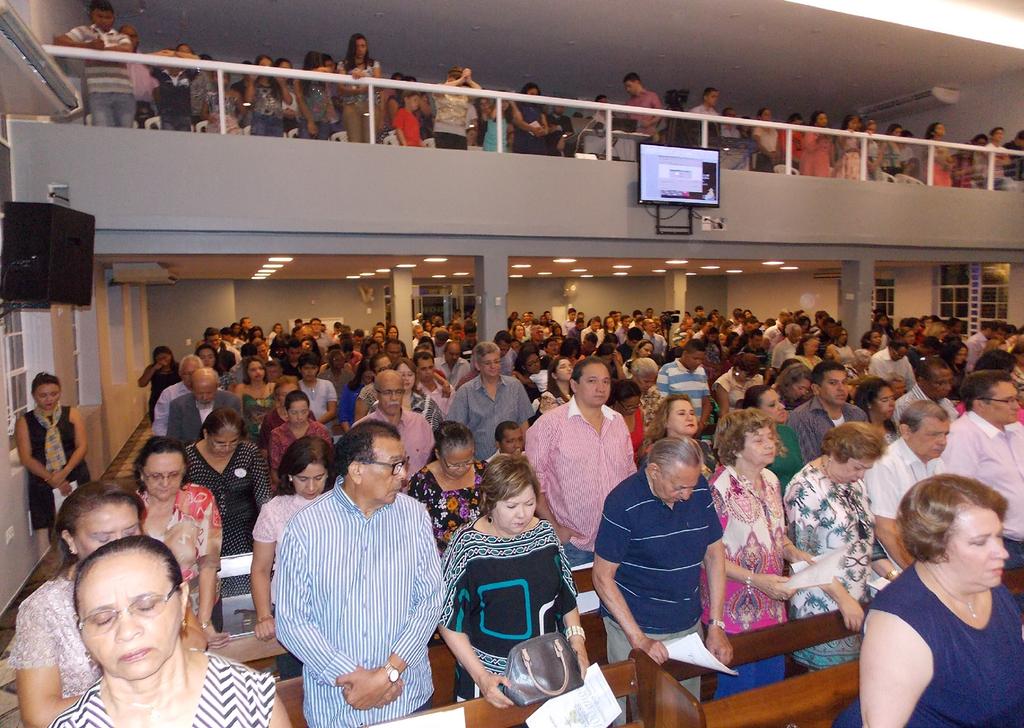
x,y
821,573
454,718
591,706
690,649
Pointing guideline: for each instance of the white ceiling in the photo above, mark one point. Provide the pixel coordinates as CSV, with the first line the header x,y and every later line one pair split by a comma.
x,y
788,56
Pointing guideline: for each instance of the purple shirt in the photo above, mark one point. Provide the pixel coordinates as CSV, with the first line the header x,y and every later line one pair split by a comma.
x,y
647,100
981,450
417,437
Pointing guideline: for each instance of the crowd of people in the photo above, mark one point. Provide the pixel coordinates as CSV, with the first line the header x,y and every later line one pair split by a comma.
x,y
123,95
385,496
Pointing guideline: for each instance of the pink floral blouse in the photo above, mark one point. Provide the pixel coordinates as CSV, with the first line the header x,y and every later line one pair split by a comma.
x,y
193,532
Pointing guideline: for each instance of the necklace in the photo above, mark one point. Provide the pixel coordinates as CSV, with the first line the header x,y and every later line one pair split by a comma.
x,y
965,602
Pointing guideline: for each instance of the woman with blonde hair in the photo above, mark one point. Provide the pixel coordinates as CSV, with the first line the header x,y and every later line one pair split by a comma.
x,y
676,417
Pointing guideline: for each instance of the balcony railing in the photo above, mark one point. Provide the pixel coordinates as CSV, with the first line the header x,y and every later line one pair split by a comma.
x,y
969,165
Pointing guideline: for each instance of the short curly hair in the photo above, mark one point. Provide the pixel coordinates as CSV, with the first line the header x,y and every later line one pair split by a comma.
x,y
732,430
928,512
505,476
854,440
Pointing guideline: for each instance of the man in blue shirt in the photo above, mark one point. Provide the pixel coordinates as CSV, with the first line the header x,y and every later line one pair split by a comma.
x,y
658,528
358,591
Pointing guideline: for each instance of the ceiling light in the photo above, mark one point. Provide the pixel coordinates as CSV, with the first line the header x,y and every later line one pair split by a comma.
x,y
564,260
366,274
677,262
438,275
622,267
460,273
710,267
578,270
658,270
691,273
522,265
587,275
774,262
961,18
406,265
281,260
543,272
383,270
353,278
620,273
435,260
790,267
273,265
733,270
259,278
266,272
516,275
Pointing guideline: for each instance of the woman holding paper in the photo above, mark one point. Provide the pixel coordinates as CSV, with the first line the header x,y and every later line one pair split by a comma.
x,y
747,498
943,642
827,508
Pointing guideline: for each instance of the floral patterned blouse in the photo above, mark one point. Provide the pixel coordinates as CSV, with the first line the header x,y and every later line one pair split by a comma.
x,y
824,516
754,535
448,509
194,531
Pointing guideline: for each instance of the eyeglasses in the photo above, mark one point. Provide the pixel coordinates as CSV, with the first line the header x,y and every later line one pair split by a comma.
x,y
396,468
886,400
147,606
162,477
457,466
390,392
1004,400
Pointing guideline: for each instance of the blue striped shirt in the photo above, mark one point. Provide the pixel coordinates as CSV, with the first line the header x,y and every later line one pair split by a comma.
x,y
659,551
350,591
674,378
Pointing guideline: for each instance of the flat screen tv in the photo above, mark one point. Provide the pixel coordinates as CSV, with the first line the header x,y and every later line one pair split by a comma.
x,y
679,176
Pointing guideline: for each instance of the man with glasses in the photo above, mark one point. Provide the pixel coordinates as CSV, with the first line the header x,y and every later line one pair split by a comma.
x,y
828,408
358,594
987,444
934,383
484,402
416,433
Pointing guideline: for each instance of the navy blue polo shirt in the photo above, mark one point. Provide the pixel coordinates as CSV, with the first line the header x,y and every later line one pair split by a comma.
x,y
659,551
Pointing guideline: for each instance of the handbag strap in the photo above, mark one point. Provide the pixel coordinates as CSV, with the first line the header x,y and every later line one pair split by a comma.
x,y
560,653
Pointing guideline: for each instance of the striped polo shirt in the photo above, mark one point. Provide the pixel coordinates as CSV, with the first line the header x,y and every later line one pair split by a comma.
x,y
674,378
659,551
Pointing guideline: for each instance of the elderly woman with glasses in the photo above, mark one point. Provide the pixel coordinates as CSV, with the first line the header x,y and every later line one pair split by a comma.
x,y
449,487
130,599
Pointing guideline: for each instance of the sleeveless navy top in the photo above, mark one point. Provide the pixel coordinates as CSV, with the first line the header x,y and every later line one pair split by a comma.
x,y
978,677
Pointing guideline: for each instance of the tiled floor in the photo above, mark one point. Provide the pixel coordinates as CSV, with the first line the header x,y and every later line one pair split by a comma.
x,y
120,469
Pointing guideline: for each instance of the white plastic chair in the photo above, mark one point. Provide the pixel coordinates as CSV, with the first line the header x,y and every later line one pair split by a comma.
x,y
781,169
907,180
153,122
391,138
292,133
885,176
339,136
201,126
247,130
429,142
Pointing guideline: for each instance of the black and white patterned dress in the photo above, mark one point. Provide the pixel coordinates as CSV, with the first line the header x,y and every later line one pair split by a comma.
x,y
232,695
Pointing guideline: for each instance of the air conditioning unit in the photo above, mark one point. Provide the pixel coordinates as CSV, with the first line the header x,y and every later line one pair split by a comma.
x,y
913,103
153,274
827,274
31,83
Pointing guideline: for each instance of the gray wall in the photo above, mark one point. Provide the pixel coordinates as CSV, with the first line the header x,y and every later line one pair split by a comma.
x,y
179,313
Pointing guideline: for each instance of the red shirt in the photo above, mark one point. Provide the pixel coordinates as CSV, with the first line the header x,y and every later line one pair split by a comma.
x,y
410,127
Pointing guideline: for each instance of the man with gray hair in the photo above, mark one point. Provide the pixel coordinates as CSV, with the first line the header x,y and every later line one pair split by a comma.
x,y
786,348
188,412
161,409
658,528
489,399
924,428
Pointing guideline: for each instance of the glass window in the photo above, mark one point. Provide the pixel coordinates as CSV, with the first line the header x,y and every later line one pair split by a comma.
x,y
14,366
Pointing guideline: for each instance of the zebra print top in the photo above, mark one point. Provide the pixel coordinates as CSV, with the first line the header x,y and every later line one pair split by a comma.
x,y
232,695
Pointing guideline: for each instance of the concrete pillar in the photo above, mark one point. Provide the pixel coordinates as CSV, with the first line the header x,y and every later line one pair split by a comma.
x,y
490,279
856,285
1015,295
401,301
675,290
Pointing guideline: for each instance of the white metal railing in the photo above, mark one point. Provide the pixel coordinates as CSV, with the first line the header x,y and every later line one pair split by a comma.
x,y
606,110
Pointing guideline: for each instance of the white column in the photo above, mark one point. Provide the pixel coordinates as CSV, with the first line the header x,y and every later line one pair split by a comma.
x,y
490,280
401,301
856,285
675,290
1015,294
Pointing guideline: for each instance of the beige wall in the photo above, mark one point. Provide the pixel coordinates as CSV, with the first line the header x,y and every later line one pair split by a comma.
x,y
767,293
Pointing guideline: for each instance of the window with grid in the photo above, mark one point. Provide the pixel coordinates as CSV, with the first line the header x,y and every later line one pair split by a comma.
x,y
884,295
954,291
995,286
14,366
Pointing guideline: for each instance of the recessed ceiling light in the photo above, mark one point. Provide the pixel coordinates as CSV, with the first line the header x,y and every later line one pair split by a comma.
x,y
564,260
710,267
774,262
516,275
259,278
734,270
620,273
383,270
790,267
266,272
543,272
435,260
406,265
522,265
366,274
578,270
438,275
461,273
281,260
658,270
587,275
272,265
677,262
353,278
691,273
622,267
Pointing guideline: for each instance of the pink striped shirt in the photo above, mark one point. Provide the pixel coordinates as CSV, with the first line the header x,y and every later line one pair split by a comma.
x,y
578,466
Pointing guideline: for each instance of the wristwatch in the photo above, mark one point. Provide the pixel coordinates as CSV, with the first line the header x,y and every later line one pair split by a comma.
x,y
392,672
717,623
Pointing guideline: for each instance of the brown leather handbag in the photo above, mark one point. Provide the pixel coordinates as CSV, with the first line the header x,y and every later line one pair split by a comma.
x,y
541,668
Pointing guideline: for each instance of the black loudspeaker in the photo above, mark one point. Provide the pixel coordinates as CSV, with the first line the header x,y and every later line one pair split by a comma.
x,y
47,254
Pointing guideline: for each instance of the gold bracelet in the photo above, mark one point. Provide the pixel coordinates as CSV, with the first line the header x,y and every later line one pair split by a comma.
x,y
261,620
893,573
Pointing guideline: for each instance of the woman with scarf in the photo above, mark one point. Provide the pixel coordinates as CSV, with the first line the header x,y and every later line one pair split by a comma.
x,y
51,445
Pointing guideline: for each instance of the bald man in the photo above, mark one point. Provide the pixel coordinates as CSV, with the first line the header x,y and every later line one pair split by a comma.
x,y
188,412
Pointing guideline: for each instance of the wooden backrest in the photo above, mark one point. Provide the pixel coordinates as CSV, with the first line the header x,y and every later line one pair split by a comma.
x,y
810,700
289,694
